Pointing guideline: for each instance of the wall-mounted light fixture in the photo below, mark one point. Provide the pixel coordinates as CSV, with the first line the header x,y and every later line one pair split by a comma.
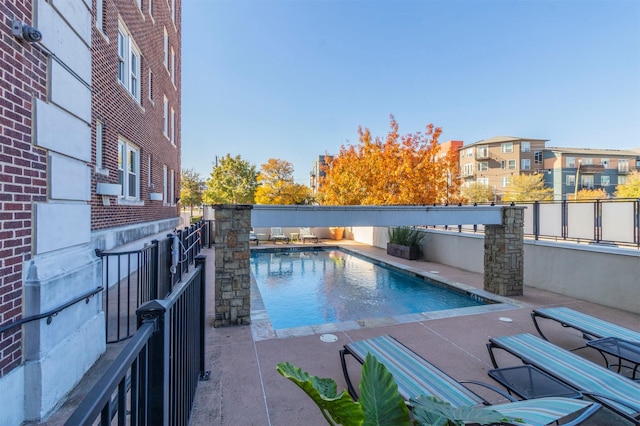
x,y
25,32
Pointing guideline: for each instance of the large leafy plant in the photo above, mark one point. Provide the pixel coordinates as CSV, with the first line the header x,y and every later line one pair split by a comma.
x,y
405,236
380,403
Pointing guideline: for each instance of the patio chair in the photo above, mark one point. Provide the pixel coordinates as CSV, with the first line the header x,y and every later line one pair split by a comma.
x,y
415,376
253,237
306,234
591,327
614,391
277,235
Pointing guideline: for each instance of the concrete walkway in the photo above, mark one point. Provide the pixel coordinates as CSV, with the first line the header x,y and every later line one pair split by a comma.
x,y
245,388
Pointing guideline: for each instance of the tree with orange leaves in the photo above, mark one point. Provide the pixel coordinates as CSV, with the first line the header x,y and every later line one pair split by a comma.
x,y
399,170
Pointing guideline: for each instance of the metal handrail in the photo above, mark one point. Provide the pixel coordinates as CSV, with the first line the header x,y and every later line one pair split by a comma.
x,y
50,314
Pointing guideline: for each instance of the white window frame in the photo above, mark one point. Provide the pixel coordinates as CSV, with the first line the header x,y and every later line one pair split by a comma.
x,y
173,66
525,146
100,16
623,165
483,181
570,180
467,169
538,157
512,165
165,186
172,187
506,147
605,162
165,117
586,160
605,180
483,151
622,180
587,181
525,164
172,126
165,44
469,152
483,166
128,168
571,162
505,181
150,8
129,62
149,176
99,149
172,6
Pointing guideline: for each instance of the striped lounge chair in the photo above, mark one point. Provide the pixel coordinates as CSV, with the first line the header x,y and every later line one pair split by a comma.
x,y
614,391
306,234
277,235
591,327
415,376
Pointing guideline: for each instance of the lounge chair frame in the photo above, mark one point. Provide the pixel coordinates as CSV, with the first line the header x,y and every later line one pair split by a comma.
x,y
413,381
590,327
277,235
608,388
305,234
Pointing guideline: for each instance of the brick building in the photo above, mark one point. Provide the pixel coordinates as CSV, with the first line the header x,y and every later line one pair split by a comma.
x,y
89,158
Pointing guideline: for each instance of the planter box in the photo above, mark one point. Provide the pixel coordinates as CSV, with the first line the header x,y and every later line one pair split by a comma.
x,y
155,196
109,189
404,252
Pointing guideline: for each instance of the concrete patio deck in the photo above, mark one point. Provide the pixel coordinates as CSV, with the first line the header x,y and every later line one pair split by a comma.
x,y
245,388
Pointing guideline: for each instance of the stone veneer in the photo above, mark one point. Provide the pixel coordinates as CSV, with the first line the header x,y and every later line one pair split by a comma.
x,y
504,254
233,276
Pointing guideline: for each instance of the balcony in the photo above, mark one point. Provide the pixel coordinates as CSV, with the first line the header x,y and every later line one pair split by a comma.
x,y
482,154
591,169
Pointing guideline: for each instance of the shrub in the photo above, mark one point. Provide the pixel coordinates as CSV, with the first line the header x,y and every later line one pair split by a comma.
x,y
405,236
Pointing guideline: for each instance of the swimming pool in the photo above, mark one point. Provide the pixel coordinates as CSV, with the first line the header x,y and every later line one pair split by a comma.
x,y
309,287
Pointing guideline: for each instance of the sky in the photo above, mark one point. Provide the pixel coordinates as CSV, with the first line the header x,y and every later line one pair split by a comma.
x,y
294,79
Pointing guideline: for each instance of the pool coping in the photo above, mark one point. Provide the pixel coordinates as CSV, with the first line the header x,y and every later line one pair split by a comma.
x,y
262,329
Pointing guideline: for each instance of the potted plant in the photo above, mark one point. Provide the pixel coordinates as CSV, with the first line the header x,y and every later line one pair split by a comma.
x,y
404,242
336,232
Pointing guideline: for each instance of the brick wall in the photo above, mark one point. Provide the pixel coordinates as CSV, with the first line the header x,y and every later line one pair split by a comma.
x,y
22,169
140,123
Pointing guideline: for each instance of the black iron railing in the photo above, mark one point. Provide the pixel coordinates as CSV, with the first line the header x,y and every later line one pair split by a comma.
x,y
153,380
134,277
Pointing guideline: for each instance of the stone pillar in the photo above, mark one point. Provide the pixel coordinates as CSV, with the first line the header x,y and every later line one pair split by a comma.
x,y
233,277
504,254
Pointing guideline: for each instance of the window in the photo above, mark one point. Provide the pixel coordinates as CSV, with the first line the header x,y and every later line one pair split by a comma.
x,y
172,189
173,10
587,181
571,162
623,166
173,126
128,63
537,157
129,169
483,181
150,4
150,85
505,181
467,169
99,143
483,151
570,180
165,186
512,164
525,164
622,180
525,146
173,66
503,164
149,171
506,147
469,152
604,180
165,117
586,160
100,15
166,48
483,166
605,163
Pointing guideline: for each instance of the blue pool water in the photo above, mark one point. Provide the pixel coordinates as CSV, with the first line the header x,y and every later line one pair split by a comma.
x,y
326,286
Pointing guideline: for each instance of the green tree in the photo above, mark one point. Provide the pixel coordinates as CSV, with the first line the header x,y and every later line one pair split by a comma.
x,y
631,188
276,185
528,188
233,181
191,188
477,193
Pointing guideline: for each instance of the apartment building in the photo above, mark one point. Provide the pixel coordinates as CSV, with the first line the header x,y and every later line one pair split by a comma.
x,y
317,173
494,162
90,125
569,170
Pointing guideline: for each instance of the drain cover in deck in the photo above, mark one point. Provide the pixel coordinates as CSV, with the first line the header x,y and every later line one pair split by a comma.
x,y
328,338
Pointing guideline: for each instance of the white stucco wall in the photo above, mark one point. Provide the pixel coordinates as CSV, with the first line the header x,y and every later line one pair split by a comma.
x,y
12,391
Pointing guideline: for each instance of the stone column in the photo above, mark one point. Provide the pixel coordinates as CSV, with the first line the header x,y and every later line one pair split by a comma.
x,y
233,278
504,254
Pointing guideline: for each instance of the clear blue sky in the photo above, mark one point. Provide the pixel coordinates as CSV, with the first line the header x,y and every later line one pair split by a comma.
x,y
295,79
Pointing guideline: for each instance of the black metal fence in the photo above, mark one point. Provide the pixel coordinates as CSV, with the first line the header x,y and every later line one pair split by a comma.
x,y
153,381
134,277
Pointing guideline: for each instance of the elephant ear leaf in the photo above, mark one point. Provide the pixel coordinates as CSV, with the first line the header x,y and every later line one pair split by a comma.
x,y
340,407
432,411
379,397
